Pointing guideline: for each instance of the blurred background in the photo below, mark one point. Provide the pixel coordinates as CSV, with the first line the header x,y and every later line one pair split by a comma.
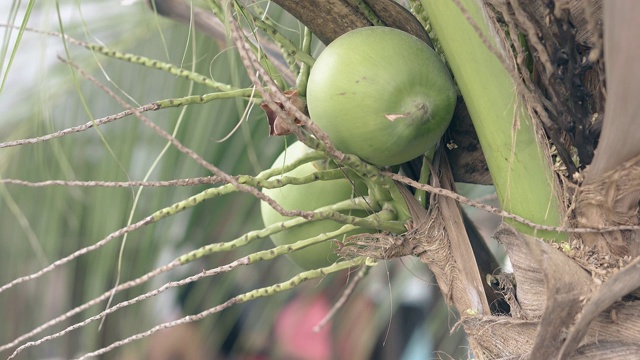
x,y
396,312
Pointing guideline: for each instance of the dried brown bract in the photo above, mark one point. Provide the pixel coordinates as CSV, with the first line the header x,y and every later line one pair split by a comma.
x,y
277,125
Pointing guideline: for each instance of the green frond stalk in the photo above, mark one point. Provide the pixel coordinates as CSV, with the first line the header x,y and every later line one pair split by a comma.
x,y
382,220
344,206
425,172
265,62
202,99
228,188
322,215
324,175
303,159
282,249
156,64
418,11
298,279
368,13
303,76
244,180
289,47
381,188
521,172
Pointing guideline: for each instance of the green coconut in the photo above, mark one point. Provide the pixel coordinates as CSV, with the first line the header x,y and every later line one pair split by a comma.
x,y
381,94
309,197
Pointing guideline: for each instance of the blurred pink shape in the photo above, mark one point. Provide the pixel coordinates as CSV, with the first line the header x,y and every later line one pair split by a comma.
x,y
294,329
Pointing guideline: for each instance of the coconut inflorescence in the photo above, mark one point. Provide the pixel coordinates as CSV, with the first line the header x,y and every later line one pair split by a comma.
x,y
378,93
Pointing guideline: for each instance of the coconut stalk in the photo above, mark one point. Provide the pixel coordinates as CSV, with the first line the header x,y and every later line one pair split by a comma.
x,y
513,146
